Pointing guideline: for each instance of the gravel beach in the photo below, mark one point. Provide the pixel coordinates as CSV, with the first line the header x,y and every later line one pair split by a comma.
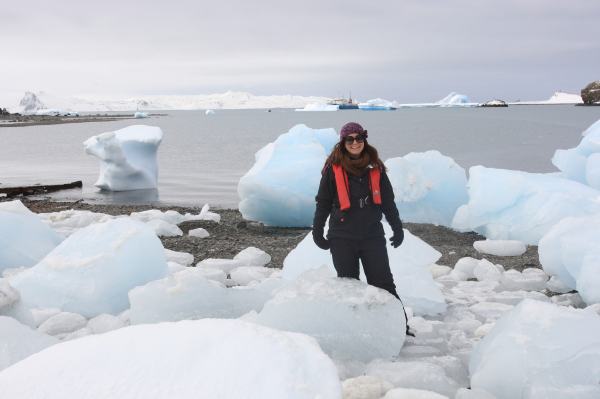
x,y
234,234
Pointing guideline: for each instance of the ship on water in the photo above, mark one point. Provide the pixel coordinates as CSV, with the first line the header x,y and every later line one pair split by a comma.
x,y
343,103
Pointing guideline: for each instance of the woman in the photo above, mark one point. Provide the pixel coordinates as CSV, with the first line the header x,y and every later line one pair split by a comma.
x,y
355,191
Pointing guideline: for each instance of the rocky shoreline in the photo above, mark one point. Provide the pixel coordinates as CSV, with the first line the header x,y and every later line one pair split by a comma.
x,y
234,234
16,120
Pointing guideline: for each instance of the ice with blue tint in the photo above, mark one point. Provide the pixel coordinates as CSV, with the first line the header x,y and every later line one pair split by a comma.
x,y
92,271
409,264
539,351
280,189
515,205
582,163
128,157
350,319
24,238
428,187
571,252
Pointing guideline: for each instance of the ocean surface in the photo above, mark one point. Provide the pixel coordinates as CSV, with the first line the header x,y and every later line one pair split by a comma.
x,y
202,157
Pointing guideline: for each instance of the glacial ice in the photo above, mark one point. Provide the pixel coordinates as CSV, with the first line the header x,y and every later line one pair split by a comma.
x,y
539,348
92,271
24,238
570,251
582,163
318,107
17,341
428,187
280,188
68,221
500,247
349,319
187,359
514,205
62,323
409,264
128,157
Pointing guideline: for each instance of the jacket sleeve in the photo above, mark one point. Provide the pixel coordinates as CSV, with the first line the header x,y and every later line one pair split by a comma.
x,y
388,206
324,201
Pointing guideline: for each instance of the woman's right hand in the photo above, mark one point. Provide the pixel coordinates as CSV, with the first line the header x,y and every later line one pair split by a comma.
x,y
321,241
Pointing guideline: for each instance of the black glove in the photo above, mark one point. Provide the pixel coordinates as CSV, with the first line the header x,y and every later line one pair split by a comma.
x,y
397,238
321,241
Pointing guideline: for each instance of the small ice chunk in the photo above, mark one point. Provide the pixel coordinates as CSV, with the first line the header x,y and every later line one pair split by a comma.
x,y
41,315
365,387
466,266
183,258
63,322
226,265
199,232
531,279
140,115
500,247
164,229
252,256
128,157
570,299
8,295
489,310
439,270
104,323
206,214
17,341
175,267
487,271
556,285
244,275
69,221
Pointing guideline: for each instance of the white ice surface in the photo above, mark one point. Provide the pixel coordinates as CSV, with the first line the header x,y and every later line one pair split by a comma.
x,y
539,347
188,359
24,238
199,233
428,187
128,157
500,247
514,205
92,271
409,264
280,188
17,341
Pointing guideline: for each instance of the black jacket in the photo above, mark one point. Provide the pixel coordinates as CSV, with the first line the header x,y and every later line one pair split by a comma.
x,y
357,222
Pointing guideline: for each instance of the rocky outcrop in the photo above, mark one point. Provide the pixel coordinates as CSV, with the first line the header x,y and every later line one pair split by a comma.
x,y
494,103
30,103
590,94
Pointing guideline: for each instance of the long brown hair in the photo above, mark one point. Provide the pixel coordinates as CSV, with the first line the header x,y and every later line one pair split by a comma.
x,y
340,156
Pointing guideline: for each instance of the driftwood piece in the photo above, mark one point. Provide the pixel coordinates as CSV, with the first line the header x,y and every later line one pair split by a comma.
x,y
37,190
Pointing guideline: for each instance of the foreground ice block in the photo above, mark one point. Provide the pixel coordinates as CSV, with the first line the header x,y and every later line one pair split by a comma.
x,y
17,341
350,319
582,163
409,264
127,157
571,252
24,238
92,271
280,189
539,348
184,360
514,205
428,187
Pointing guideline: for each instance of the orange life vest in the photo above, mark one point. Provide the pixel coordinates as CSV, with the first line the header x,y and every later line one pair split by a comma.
x,y
343,188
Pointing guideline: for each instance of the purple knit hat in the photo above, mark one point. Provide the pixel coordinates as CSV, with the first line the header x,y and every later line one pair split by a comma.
x,y
352,128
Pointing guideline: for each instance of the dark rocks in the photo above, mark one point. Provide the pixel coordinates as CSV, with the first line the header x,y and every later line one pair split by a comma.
x,y
494,103
590,94
3,111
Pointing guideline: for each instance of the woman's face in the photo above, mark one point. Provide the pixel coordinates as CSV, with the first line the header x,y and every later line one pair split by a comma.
x,y
354,144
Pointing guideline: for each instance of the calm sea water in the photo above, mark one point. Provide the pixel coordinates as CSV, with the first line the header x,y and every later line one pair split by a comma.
x,y
202,157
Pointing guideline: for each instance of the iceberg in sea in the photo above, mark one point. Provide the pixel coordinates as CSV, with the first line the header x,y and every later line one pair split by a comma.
x,y
514,205
454,99
428,187
128,157
24,238
409,264
582,163
92,271
539,350
280,189
570,252
183,360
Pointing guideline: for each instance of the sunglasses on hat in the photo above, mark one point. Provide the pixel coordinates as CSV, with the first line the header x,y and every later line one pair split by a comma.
x,y
359,139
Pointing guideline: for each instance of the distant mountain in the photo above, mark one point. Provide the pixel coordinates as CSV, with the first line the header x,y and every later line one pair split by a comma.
x,y
229,100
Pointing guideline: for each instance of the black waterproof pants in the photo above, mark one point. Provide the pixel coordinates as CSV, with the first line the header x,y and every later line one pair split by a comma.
x,y
376,264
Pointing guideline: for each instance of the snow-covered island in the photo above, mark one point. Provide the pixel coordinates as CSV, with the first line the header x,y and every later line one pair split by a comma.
x,y
94,306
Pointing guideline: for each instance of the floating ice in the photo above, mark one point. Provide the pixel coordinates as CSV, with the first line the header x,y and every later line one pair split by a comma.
x,y
140,115
188,359
582,163
428,187
189,294
92,271
409,264
209,112
24,238
357,321
539,346
127,157
318,107
500,247
570,251
514,205
454,99
280,189
17,341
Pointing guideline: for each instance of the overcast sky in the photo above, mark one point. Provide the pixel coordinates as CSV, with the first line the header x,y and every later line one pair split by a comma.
x,y
410,51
